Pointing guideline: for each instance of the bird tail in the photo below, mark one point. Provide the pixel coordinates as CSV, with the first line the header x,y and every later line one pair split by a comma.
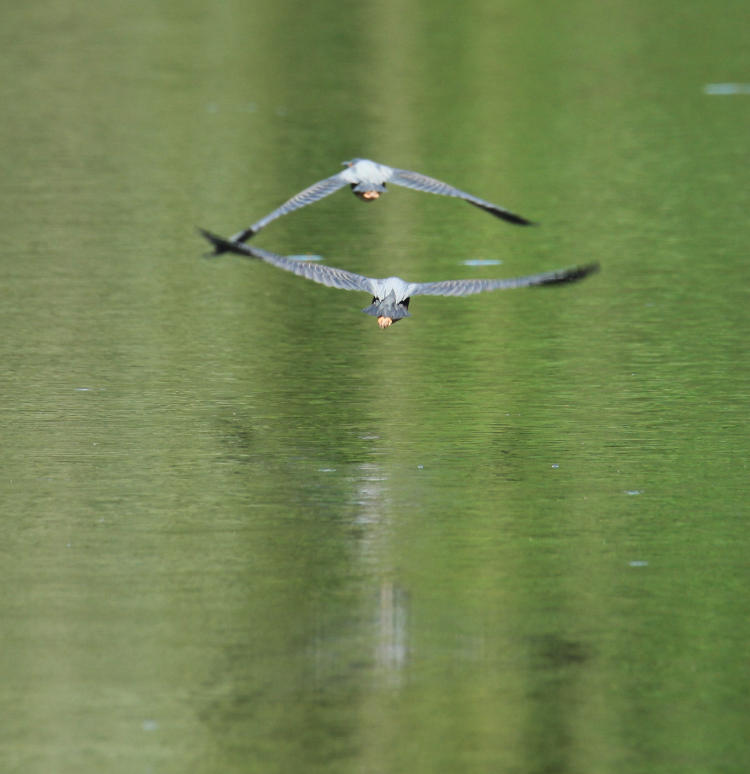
x,y
366,187
387,307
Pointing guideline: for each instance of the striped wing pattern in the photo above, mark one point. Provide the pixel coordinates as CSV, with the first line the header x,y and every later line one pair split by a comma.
x,y
419,182
312,194
324,275
468,287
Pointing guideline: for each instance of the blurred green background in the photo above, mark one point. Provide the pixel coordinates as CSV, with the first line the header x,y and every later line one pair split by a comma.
x,y
247,531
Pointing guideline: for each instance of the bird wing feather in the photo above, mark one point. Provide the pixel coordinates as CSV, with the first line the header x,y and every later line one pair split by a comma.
x,y
311,194
419,182
466,287
324,275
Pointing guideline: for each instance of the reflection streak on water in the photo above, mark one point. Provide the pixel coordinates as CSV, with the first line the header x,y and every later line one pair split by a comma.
x,y
390,637
392,644
721,89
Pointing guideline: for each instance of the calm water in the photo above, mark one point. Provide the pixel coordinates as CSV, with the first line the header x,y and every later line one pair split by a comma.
x,y
246,531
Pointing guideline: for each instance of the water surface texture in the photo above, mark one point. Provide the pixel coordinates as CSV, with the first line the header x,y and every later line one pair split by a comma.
x,y
244,530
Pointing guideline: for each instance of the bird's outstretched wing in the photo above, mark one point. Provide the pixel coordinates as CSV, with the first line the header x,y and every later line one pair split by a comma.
x,y
421,182
466,287
324,275
313,193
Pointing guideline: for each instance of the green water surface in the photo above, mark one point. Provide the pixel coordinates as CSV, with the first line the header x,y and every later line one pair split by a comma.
x,y
243,529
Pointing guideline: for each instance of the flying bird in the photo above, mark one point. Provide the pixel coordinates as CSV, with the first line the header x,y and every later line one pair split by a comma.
x,y
367,180
391,296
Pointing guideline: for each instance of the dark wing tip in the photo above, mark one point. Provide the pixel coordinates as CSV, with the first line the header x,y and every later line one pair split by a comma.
x,y
588,268
500,212
575,274
517,220
219,244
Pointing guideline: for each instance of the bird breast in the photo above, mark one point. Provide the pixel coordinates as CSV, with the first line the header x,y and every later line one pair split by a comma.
x,y
367,172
